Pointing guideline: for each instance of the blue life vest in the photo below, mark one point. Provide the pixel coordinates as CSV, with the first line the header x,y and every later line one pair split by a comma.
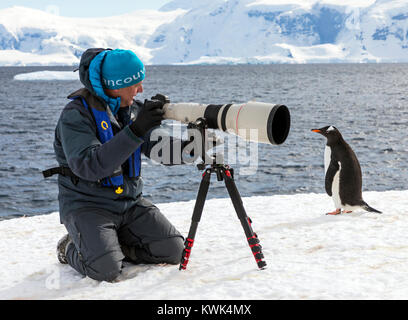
x,y
105,133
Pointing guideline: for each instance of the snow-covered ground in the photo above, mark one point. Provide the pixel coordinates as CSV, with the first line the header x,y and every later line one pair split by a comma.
x,y
310,255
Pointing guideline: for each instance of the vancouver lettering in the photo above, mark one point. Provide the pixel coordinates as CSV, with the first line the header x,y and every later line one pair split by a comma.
x,y
113,83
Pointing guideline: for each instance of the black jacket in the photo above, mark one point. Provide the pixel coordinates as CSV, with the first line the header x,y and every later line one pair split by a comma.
x,y
76,145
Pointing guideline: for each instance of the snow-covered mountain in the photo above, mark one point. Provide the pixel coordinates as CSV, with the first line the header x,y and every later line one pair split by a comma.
x,y
217,31
34,37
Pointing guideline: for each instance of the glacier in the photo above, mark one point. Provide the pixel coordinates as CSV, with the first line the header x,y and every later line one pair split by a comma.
x,y
216,32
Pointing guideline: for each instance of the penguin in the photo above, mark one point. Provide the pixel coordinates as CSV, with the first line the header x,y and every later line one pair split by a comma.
x,y
343,181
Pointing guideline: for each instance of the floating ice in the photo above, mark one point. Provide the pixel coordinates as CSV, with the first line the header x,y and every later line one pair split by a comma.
x,y
48,75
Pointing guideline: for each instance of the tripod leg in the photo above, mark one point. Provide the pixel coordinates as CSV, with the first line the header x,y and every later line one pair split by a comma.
x,y
252,237
198,210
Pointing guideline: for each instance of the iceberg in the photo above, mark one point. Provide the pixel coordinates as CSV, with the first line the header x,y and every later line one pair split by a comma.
x,y
47,75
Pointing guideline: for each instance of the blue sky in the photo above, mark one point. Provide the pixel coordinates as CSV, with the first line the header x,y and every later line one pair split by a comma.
x,y
86,8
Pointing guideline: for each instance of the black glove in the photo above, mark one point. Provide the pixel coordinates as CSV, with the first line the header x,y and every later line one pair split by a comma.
x,y
151,115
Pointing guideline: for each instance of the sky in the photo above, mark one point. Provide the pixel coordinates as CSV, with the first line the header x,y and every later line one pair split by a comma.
x,y
98,8
88,8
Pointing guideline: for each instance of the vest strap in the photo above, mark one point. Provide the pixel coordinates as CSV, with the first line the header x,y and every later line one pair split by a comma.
x,y
64,171
105,133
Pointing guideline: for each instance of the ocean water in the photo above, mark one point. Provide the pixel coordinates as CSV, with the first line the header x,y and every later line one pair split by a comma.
x,y
368,103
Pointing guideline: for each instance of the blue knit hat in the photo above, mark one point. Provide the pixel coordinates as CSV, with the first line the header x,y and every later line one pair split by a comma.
x,y
121,69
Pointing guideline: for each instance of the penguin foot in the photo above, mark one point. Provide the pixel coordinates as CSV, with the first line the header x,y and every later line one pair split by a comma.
x,y
338,211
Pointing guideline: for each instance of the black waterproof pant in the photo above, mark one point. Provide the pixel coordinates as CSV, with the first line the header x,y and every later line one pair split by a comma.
x,y
101,240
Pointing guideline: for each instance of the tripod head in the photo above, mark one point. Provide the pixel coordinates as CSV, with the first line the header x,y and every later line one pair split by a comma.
x,y
201,125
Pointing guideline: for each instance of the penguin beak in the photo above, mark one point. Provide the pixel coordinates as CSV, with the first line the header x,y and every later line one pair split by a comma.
x,y
323,133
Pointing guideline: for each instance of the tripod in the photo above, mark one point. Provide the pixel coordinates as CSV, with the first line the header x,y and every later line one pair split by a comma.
x,y
223,172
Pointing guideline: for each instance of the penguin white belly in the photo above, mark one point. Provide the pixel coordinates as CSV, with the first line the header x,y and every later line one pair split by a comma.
x,y
336,189
327,158
336,180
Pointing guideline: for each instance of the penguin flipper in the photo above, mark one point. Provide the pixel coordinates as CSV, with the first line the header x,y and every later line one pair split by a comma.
x,y
330,173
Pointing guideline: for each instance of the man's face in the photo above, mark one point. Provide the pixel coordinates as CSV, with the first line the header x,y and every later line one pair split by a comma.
x,y
126,94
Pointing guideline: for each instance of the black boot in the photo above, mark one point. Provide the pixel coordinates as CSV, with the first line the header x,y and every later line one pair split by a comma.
x,y
62,248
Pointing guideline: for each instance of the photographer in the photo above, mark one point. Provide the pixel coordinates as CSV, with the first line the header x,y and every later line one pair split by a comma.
x,y
98,143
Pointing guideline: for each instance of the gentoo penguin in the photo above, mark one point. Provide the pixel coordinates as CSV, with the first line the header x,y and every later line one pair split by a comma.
x,y
343,180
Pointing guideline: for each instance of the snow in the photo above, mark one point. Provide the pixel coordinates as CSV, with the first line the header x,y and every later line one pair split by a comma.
x,y
310,255
37,36
329,31
316,54
19,58
355,3
216,32
47,75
